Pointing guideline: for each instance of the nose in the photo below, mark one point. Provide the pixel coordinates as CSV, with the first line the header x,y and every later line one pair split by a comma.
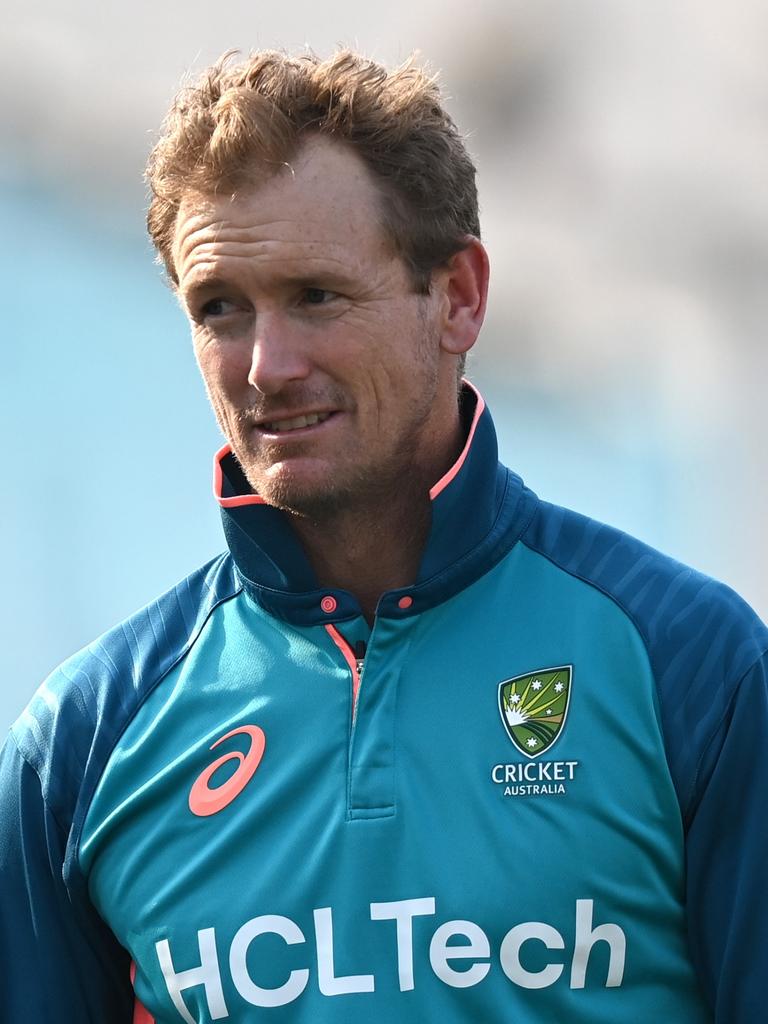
x,y
279,355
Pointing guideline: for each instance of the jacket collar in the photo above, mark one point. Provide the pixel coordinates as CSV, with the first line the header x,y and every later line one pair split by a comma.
x,y
479,509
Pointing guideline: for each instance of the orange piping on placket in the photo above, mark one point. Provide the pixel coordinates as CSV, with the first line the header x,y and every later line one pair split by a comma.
x,y
351,660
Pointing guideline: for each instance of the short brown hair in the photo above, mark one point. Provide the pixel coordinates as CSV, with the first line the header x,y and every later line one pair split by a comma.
x,y
242,121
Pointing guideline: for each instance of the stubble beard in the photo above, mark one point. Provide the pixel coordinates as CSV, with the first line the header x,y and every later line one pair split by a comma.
x,y
357,486
354,486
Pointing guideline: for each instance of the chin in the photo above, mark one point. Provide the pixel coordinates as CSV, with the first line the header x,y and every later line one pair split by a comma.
x,y
304,496
307,504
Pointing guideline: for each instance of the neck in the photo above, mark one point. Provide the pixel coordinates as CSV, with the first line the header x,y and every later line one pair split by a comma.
x,y
370,548
367,555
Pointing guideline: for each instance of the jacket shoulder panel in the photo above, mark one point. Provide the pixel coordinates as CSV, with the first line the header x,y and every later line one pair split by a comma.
x,y
701,637
71,725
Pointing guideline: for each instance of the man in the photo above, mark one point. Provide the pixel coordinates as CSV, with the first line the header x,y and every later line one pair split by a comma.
x,y
420,747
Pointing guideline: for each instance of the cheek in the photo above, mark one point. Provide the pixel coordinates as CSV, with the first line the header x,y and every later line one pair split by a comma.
x,y
411,363
224,371
224,386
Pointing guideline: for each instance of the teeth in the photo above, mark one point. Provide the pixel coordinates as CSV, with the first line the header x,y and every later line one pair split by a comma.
x,y
278,426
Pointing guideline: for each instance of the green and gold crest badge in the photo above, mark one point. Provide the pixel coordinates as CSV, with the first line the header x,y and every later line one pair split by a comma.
x,y
534,707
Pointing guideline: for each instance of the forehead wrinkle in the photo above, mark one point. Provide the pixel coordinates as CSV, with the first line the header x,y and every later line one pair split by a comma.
x,y
228,246
268,246
304,250
215,257
214,270
201,224
198,231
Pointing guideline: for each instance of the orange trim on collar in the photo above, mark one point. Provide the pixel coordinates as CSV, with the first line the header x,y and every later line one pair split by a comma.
x,y
218,484
444,480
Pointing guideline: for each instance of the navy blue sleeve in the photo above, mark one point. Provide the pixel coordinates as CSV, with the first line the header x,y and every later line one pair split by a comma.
x,y
727,857
709,655
60,961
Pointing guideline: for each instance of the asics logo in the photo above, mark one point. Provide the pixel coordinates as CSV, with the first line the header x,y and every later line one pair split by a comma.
x,y
204,800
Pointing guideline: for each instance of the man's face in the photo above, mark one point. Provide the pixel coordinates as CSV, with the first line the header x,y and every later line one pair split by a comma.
x,y
324,367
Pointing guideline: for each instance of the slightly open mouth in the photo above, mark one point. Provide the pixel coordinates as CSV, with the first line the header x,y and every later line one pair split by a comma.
x,y
296,423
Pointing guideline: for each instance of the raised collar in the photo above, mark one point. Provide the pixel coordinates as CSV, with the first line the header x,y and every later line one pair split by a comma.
x,y
479,509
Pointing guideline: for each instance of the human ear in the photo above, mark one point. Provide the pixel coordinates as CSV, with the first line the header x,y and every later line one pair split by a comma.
x,y
464,284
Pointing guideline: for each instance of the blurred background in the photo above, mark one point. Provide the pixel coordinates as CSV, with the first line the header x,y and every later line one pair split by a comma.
x,y
622,160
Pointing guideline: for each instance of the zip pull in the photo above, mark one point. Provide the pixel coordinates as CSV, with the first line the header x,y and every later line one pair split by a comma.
x,y
360,649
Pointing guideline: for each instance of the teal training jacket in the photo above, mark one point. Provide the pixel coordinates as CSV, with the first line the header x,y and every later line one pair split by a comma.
x,y
533,792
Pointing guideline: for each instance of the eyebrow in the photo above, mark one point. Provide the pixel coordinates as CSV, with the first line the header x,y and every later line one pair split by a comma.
x,y
204,282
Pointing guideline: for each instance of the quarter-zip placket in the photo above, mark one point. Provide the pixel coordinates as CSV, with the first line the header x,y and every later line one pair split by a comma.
x,y
371,766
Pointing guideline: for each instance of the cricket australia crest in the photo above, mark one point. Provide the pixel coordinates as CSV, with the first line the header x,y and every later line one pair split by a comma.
x,y
534,707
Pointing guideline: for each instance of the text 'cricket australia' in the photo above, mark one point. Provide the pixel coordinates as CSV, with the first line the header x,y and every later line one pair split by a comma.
x,y
534,778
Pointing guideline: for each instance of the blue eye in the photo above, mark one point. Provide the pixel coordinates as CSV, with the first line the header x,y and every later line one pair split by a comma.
x,y
216,307
316,296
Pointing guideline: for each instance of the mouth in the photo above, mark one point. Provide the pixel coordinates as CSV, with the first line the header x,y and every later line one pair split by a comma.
x,y
294,424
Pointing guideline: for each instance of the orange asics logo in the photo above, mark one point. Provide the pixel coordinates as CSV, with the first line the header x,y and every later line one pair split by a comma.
x,y
204,801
